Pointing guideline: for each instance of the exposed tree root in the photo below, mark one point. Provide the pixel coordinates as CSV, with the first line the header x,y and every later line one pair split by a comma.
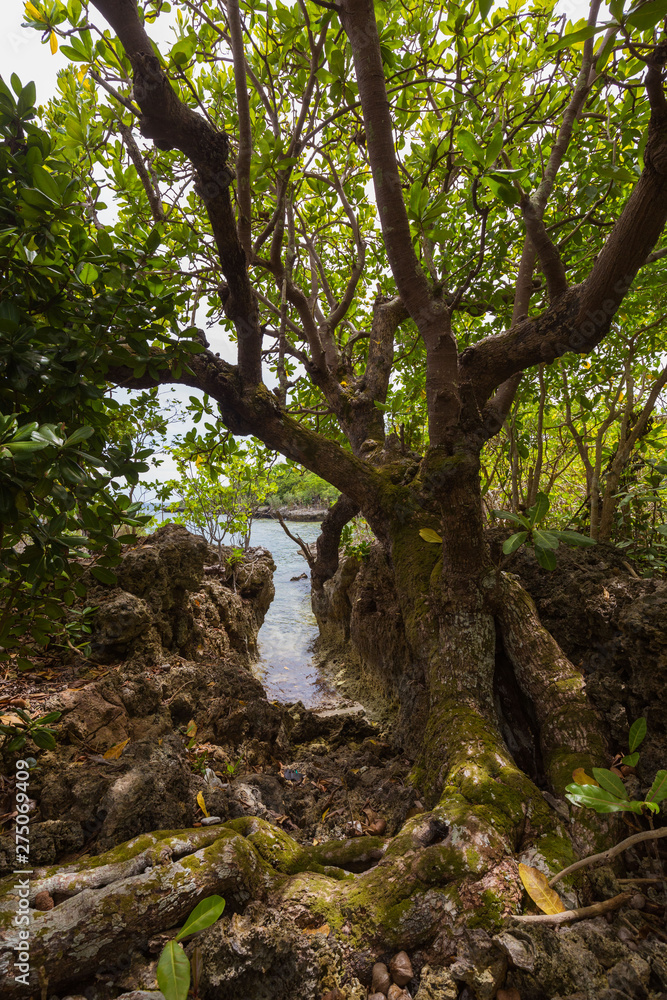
x,y
583,913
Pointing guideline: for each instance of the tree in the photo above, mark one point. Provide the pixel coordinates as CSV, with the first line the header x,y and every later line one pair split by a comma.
x,y
217,495
519,187
59,461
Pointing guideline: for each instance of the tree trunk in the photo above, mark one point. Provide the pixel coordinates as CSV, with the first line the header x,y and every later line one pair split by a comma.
x,y
455,861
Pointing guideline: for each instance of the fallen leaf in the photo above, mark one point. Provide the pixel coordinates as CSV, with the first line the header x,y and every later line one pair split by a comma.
x,y
581,778
537,887
324,929
192,728
114,752
202,804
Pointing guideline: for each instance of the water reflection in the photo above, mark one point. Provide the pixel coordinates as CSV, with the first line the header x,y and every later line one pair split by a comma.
x,y
285,640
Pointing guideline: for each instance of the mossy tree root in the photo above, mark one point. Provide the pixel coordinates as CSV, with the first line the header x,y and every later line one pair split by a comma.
x,y
378,893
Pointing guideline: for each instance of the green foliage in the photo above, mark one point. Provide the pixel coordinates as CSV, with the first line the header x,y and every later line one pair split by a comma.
x,y
173,969
543,542
38,730
293,486
72,303
472,135
607,793
217,496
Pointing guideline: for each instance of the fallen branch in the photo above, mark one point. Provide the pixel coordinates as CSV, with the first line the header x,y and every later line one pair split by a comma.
x,y
636,838
296,538
569,916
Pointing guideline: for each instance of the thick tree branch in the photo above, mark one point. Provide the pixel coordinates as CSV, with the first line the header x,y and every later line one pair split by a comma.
x,y
244,154
538,242
547,254
430,313
173,125
581,318
254,410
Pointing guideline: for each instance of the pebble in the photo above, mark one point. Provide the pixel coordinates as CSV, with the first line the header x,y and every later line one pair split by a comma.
x,y
401,969
381,978
211,820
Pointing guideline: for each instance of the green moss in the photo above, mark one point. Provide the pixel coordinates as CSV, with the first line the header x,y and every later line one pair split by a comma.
x,y
488,913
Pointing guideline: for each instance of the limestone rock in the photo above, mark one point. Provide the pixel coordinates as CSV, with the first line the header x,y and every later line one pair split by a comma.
x,y
436,984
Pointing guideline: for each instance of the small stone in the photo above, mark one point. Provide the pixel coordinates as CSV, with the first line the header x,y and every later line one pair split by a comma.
x,y
436,984
638,901
381,978
396,993
401,969
211,820
376,996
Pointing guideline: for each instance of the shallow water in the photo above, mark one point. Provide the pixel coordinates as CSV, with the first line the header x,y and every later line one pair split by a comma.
x,y
285,639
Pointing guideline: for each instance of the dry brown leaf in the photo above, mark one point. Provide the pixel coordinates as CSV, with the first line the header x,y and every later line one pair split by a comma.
x,y
539,890
324,929
192,728
581,778
114,752
202,804
10,719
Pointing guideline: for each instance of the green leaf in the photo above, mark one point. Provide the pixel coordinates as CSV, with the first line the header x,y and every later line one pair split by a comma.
x,y
430,536
512,543
484,8
600,799
545,557
573,38
203,915
658,790
26,99
88,273
104,575
503,190
630,760
539,508
637,733
79,435
573,538
545,539
49,717
507,515
182,52
153,240
43,739
470,147
648,15
173,972
45,183
607,779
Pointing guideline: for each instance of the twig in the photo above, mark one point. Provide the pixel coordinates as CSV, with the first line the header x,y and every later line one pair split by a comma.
x,y
569,916
636,838
634,881
296,538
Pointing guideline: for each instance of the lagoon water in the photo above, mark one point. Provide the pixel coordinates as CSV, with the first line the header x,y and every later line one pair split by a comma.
x,y
285,639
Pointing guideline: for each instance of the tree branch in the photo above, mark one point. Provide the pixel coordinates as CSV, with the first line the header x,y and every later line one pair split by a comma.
x,y
173,125
153,196
244,154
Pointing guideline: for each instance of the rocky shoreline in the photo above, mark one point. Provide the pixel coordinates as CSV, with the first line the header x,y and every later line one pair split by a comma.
x,y
164,728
